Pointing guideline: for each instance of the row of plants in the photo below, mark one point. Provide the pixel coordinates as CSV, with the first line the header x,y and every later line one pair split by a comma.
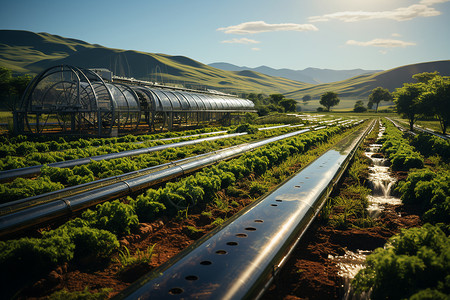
x,y
415,264
429,145
94,234
53,178
26,153
399,150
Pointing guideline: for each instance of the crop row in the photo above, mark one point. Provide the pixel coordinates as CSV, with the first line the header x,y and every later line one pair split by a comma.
x,y
414,264
53,178
400,152
31,154
27,153
94,234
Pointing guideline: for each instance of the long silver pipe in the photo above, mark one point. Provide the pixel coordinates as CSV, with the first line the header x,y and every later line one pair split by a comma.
x,y
32,216
239,259
36,170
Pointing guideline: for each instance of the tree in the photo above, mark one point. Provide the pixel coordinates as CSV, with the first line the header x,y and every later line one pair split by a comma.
x,y
378,94
425,77
12,87
359,106
288,104
306,98
408,101
436,100
276,98
329,99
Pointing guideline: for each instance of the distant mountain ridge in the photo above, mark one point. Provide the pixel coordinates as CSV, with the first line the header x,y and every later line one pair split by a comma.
x,y
308,75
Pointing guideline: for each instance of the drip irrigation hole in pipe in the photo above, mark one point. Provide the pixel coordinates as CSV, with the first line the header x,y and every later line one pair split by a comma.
x,y
241,235
191,277
176,291
250,228
221,252
206,263
273,204
232,243
258,221
297,186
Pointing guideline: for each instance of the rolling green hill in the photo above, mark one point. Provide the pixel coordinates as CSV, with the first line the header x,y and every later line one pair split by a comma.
x,y
28,52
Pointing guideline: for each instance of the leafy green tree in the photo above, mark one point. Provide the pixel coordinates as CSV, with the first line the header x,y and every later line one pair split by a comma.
x,y
425,77
288,104
329,99
379,94
306,98
276,98
408,101
12,87
359,106
436,100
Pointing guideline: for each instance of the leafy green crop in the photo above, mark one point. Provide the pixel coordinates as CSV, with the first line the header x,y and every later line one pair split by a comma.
x,y
431,191
401,154
415,263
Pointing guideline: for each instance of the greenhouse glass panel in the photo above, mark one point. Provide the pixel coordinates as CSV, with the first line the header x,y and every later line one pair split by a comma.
x,y
165,102
184,102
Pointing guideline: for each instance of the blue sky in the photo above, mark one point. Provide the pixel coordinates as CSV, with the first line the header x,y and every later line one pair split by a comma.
x,y
294,34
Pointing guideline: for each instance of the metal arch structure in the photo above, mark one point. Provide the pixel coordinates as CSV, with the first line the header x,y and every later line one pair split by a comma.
x,y
67,99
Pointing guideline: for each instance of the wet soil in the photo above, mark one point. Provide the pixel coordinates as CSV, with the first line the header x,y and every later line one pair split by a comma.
x,y
311,273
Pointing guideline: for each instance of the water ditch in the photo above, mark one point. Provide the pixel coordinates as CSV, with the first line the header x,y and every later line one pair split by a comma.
x,y
381,183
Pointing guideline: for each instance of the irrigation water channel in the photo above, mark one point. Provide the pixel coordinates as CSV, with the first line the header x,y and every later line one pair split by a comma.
x,y
381,183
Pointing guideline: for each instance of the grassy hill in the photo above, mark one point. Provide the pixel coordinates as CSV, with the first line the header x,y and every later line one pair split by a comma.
x,y
360,87
28,52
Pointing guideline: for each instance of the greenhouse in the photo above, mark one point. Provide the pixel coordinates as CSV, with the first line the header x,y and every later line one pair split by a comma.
x,y
67,99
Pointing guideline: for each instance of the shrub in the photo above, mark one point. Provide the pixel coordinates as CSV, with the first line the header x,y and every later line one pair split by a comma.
x,y
415,261
113,216
431,191
42,254
89,242
22,188
250,129
147,206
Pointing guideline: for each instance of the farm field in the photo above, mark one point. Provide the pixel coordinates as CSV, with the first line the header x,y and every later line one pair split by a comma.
x,y
117,242
217,199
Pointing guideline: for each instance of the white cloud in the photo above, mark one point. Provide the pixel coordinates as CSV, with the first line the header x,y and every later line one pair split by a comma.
x,y
241,41
256,49
396,35
261,26
399,14
384,43
383,52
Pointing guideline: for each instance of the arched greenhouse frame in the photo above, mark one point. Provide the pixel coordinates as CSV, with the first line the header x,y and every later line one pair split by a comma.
x,y
67,99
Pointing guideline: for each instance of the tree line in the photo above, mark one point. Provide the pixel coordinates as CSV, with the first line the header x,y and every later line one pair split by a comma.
x,y
11,87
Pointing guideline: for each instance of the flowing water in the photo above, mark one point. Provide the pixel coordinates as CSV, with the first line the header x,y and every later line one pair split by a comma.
x,y
381,183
